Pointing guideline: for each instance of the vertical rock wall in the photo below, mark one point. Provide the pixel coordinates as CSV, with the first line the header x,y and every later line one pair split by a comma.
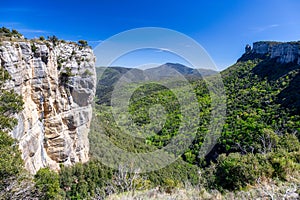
x,y
57,83
284,52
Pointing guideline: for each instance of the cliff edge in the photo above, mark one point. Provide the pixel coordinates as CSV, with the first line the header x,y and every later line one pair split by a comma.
x,y
57,82
282,52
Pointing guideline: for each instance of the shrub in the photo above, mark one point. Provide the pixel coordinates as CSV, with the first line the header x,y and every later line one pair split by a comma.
x,y
6,32
59,63
33,48
47,182
11,163
236,171
289,142
65,75
53,39
15,32
87,73
10,157
284,163
84,180
83,43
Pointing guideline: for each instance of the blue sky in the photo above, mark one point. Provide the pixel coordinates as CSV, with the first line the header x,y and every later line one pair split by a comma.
x,y
223,28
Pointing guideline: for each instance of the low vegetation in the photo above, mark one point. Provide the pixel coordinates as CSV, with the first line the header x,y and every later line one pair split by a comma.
x,y
83,43
256,156
5,32
11,164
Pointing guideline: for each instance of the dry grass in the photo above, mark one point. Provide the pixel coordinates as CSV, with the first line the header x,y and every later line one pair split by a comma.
x,y
263,190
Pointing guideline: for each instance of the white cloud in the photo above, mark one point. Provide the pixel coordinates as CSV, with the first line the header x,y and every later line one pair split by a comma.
x,y
32,31
95,41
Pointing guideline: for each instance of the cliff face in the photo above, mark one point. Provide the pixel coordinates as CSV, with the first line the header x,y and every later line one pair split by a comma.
x,y
283,52
57,83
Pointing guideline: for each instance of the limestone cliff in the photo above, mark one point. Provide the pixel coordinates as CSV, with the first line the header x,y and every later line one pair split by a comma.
x,y
283,52
57,83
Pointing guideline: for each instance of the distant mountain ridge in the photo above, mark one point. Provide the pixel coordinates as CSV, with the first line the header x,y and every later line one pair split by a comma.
x,y
170,70
109,76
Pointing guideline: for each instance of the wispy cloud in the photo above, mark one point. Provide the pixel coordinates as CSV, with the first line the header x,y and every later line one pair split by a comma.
x,y
20,28
95,41
32,31
264,28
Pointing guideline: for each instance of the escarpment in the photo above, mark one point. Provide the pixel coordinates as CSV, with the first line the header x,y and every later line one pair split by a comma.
x,y
57,82
281,52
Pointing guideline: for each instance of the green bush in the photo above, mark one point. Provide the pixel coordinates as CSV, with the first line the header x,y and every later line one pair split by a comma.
x,y
235,171
284,163
83,43
53,39
33,48
6,32
65,75
84,180
47,182
289,142
11,163
87,73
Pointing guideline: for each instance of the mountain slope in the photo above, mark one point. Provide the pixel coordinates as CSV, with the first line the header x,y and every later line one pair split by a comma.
x,y
171,70
279,63
108,77
262,99
260,137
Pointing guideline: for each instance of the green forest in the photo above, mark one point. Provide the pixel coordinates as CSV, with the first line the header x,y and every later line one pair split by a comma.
x,y
259,142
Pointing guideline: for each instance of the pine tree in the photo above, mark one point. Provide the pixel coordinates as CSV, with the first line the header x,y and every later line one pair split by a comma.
x,y
10,157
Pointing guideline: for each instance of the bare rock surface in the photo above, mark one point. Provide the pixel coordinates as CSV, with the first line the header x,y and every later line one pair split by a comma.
x,y
57,83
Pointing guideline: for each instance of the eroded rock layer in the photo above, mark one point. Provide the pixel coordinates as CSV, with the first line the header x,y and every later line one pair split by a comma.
x,y
282,52
57,83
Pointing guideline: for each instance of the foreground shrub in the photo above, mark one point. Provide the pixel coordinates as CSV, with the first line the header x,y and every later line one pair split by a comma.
x,y
236,171
284,163
47,183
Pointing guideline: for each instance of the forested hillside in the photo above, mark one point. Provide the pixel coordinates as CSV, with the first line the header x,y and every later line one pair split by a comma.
x,y
260,138
256,156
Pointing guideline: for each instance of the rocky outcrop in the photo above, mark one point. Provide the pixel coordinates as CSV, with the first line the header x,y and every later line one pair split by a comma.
x,y
57,83
283,52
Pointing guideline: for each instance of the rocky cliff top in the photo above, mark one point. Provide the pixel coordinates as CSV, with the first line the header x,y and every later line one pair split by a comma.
x,y
283,52
57,81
